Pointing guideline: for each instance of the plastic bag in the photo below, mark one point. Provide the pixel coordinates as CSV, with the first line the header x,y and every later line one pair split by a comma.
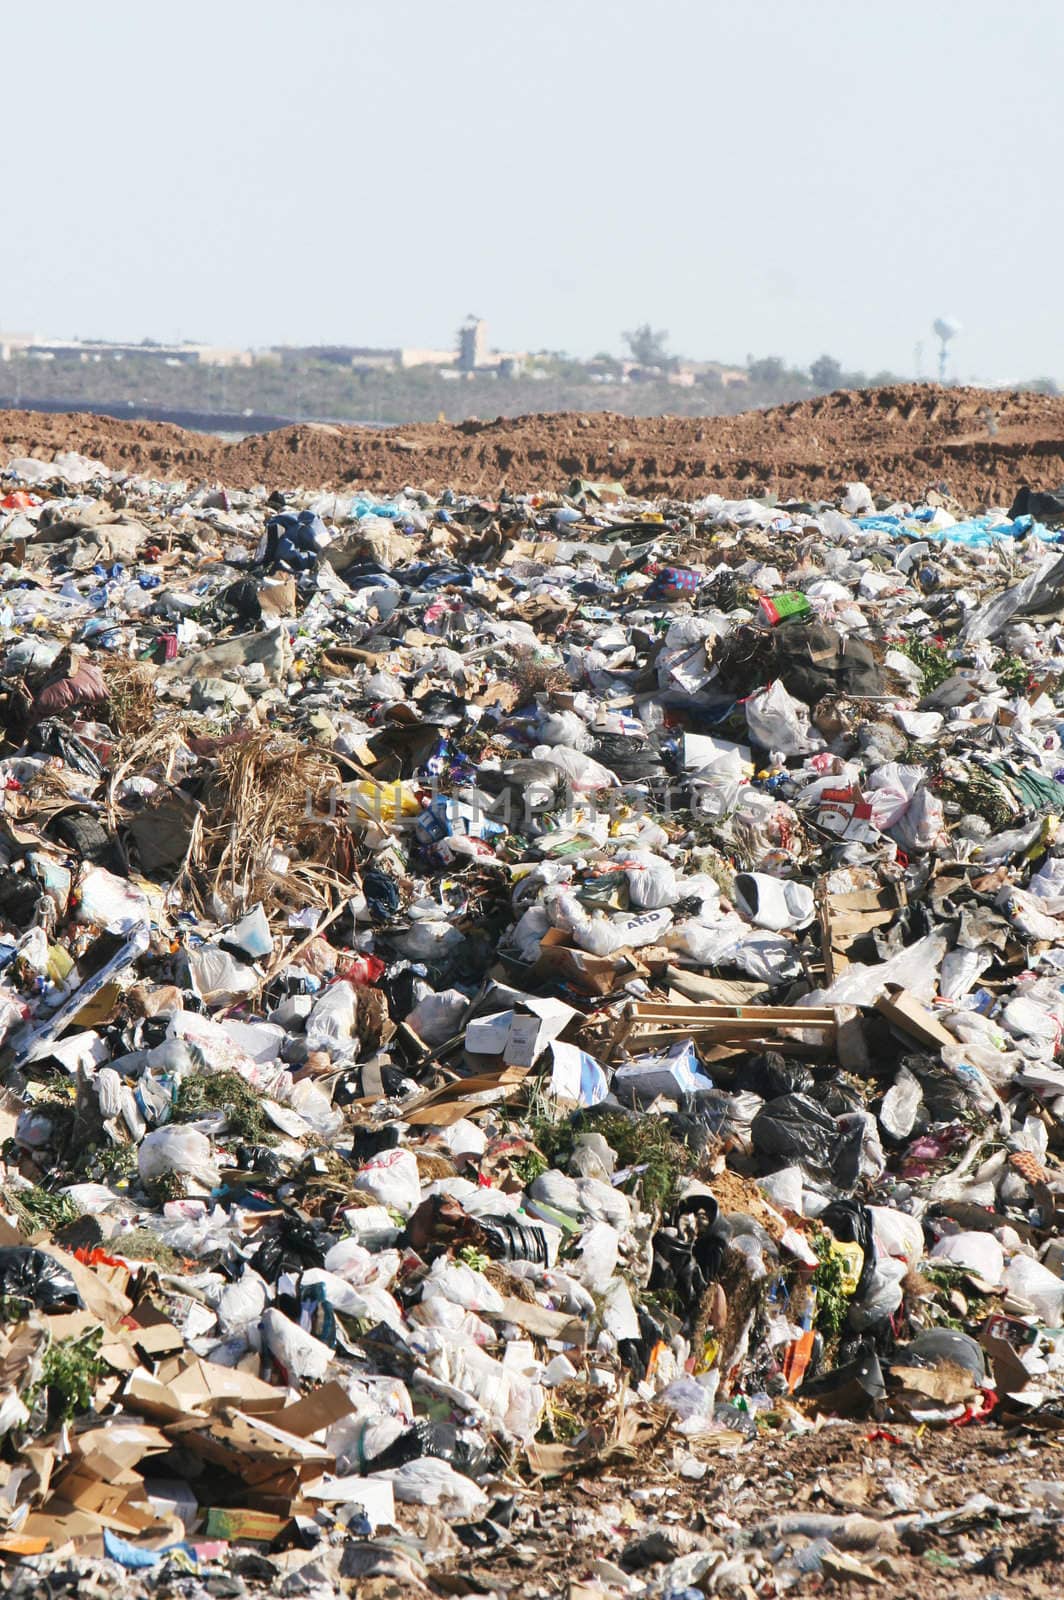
x,y
241,1303
583,773
797,1129
351,1260
565,728
509,1399
651,881
251,935
313,1105
178,1149
298,1352
392,1178
1042,1289
109,902
430,940
896,1234
779,723
218,976
369,1302
961,969
462,1285
977,1252
914,968
881,1295
33,1276
601,935
435,1019
773,903
428,1481
331,1024
901,1105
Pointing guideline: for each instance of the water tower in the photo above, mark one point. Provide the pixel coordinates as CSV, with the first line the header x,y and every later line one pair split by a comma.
x,y
944,329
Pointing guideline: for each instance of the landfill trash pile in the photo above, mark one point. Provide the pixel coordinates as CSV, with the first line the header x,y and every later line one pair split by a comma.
x,y
528,1027
900,439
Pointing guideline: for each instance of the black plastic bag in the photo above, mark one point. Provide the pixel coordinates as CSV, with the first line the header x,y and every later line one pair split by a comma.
x,y
796,1129
772,1075
506,1239
687,1253
849,1390
938,1345
41,1280
295,1245
851,1223
463,1449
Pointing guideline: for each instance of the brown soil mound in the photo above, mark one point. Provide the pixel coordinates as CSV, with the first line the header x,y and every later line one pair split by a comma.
x,y
979,443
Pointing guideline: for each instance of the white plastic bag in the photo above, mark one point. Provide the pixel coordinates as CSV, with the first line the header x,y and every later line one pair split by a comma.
x,y
1042,1289
915,968
651,880
301,1355
219,977
976,1252
428,940
897,1234
392,1178
331,1024
428,1481
601,935
462,1285
251,934
111,902
584,774
777,722
368,1302
179,1149
316,1109
435,1019
350,1259
241,1303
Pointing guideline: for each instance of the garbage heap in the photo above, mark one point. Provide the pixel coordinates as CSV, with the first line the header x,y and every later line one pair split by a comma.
x,y
492,991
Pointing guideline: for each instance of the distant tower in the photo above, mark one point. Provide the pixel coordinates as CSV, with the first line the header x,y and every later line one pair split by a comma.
x,y
472,343
945,329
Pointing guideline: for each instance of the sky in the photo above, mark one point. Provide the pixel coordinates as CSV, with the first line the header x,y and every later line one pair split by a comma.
x,y
775,177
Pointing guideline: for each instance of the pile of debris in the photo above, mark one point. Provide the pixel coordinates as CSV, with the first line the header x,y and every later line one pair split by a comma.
x,y
495,994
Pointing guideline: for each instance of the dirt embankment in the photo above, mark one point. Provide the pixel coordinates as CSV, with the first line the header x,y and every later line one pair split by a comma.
x,y
902,440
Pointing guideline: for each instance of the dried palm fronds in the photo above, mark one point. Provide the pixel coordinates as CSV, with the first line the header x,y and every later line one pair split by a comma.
x,y
131,693
266,798
149,754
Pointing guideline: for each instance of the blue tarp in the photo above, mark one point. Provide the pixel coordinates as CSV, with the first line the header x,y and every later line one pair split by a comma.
x,y
976,532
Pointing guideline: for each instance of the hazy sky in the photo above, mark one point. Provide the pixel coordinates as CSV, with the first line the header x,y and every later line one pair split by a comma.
x,y
769,176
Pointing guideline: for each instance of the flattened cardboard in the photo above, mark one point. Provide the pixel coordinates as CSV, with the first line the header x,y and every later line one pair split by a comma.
x,y
902,1010
206,1386
317,1410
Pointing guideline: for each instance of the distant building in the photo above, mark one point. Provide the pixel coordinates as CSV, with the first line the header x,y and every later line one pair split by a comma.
x,y
365,358
473,344
714,372
474,355
32,347
469,356
427,358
